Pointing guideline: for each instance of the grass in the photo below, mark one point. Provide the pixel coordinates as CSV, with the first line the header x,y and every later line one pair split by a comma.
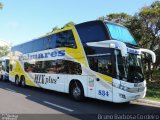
x,y
153,99
156,72
153,92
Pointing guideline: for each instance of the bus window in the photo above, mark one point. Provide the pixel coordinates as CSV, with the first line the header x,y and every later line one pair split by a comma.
x,y
101,64
50,66
74,68
51,42
54,66
65,39
92,32
70,40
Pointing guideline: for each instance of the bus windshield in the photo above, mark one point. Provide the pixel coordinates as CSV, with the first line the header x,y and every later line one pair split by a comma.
x,y
120,33
134,68
129,68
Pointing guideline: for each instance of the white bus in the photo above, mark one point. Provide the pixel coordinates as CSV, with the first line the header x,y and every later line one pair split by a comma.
x,y
4,68
96,59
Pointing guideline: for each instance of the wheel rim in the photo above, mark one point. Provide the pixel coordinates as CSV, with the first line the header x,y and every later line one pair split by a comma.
x,y
17,82
23,83
76,92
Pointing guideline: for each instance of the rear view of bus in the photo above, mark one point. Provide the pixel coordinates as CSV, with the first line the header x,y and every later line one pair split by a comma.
x,y
115,57
4,70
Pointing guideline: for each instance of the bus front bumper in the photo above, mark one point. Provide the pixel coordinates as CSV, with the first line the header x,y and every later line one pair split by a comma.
x,y
120,96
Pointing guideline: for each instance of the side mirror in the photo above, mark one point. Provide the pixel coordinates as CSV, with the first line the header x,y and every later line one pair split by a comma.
x,y
151,53
111,44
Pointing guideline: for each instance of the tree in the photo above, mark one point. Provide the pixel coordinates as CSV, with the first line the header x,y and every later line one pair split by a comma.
x,y
121,18
4,51
66,25
145,27
1,5
71,23
150,22
150,17
55,28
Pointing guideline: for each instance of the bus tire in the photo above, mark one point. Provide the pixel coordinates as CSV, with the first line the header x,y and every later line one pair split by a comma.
x,y
76,91
23,82
17,83
1,77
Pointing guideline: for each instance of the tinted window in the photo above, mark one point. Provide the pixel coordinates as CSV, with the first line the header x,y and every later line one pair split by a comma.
x,y
62,39
65,39
73,68
101,64
50,42
120,33
92,31
97,50
32,46
51,67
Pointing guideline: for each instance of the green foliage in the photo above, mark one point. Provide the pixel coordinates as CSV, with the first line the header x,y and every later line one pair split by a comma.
x,y
69,24
145,27
150,30
55,28
4,51
153,91
150,17
121,18
157,59
1,5
66,25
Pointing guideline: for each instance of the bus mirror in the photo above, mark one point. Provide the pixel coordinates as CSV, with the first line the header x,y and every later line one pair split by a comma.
x,y
111,44
151,53
122,46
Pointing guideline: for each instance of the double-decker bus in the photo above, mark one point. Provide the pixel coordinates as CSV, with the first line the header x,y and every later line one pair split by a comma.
x,y
4,68
96,59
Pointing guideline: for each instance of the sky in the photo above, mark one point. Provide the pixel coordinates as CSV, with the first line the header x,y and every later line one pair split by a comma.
x,y
24,20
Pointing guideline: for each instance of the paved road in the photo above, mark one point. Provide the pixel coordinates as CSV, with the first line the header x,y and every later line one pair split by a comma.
x,y
49,104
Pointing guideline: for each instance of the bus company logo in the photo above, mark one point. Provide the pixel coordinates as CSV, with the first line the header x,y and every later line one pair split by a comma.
x,y
133,51
42,55
42,79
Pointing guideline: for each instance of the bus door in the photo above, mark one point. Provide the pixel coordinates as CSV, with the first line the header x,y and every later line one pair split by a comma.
x,y
91,86
102,66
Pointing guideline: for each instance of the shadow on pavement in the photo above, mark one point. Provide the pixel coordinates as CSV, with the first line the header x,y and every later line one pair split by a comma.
x,y
87,109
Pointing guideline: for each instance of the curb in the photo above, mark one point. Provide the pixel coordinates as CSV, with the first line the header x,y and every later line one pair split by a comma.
x,y
148,102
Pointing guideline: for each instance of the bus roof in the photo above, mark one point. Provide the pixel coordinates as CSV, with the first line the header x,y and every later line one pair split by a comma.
x,y
67,28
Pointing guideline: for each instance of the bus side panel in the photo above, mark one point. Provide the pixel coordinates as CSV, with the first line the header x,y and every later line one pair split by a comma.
x,y
16,69
103,90
81,78
91,86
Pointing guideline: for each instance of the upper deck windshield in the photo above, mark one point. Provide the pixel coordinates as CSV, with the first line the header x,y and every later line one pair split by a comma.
x,y
120,33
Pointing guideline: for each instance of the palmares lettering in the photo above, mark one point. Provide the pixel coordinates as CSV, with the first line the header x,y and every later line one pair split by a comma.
x,y
42,79
43,55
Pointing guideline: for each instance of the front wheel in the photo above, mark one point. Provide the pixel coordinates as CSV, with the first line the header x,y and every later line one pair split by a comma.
x,y
76,91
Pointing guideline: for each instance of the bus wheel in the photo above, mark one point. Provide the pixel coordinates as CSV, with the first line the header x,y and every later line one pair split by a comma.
x,y
17,81
76,91
1,77
23,82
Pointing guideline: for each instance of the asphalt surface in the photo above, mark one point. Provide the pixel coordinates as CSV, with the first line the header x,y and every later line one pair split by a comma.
x,y
34,103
